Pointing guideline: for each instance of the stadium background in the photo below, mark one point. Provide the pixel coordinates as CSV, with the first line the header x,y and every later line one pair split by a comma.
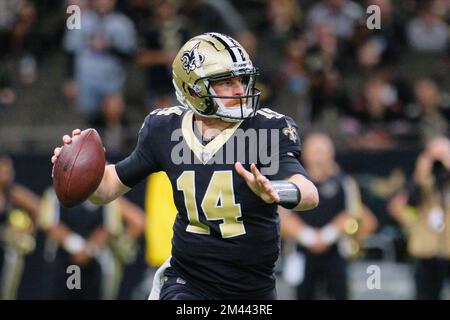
x,y
381,94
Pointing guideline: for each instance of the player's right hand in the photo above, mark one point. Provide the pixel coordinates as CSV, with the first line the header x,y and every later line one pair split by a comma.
x,y
66,140
258,183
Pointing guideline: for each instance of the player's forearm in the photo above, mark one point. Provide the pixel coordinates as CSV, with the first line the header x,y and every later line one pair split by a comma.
x,y
59,233
110,187
369,223
134,217
98,238
25,198
340,220
309,195
290,224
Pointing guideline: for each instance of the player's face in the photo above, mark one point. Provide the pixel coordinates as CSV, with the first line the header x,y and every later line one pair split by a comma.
x,y
230,87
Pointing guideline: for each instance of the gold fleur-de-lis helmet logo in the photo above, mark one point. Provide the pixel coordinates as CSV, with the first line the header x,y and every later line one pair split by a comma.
x,y
290,132
192,59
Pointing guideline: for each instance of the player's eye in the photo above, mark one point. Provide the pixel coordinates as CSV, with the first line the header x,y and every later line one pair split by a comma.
x,y
240,80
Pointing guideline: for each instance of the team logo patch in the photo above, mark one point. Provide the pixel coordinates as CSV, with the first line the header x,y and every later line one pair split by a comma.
x,y
290,132
192,59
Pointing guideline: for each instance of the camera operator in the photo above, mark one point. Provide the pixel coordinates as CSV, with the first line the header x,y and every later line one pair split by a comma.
x,y
424,209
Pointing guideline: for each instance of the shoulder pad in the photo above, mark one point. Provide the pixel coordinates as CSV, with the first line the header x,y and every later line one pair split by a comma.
x,y
177,110
269,113
270,119
162,118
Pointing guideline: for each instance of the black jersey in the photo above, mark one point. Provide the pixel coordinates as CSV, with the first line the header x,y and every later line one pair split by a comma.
x,y
333,200
82,219
338,193
226,239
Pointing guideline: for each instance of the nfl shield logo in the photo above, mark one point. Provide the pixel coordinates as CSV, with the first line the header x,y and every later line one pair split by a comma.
x,y
205,156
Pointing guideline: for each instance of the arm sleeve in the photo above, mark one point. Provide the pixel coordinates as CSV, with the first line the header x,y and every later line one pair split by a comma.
x,y
289,165
141,162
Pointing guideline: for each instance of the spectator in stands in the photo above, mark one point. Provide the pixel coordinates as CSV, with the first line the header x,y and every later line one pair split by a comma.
x,y
19,36
424,210
427,32
100,49
324,51
320,255
329,101
113,126
384,45
202,16
70,87
164,35
281,23
139,11
19,209
100,240
324,58
217,16
7,93
292,83
377,107
428,110
284,17
343,15
8,10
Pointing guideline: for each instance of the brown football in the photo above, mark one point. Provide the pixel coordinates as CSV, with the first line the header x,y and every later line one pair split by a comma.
x,y
79,168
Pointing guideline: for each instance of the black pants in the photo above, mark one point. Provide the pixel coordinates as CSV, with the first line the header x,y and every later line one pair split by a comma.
x,y
325,277
177,288
430,276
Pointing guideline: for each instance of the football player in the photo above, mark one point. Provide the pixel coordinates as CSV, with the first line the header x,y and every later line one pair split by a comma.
x,y
226,233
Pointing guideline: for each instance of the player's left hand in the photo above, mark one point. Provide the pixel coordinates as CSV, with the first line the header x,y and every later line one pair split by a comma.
x,y
258,183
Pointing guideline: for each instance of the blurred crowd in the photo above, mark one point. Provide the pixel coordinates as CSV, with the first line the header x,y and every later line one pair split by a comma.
x,y
319,62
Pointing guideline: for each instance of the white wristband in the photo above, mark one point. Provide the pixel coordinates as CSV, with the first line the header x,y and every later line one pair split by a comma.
x,y
329,234
307,236
74,243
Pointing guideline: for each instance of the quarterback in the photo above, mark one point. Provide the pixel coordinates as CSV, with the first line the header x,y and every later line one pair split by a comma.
x,y
226,233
